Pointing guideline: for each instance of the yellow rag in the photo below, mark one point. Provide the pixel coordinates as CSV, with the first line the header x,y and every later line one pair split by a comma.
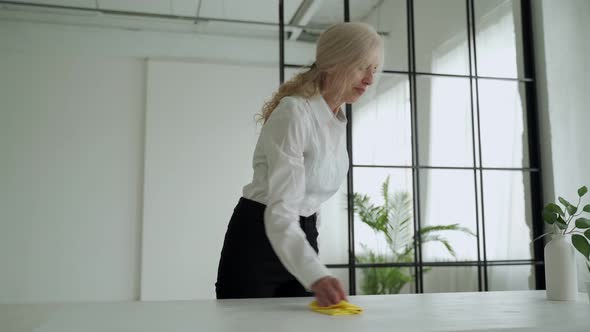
x,y
340,309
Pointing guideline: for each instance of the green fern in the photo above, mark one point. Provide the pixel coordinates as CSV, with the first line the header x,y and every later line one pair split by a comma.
x,y
393,220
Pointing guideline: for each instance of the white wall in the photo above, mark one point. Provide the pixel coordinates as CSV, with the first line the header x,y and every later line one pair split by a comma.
x,y
563,62
200,136
72,126
79,108
71,142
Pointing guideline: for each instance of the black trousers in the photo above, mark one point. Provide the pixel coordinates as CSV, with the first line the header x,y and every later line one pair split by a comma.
x,y
249,267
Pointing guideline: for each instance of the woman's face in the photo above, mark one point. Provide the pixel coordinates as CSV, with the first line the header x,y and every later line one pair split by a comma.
x,y
355,83
359,80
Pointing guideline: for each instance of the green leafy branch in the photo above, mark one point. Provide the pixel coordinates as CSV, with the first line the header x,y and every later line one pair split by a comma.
x,y
561,221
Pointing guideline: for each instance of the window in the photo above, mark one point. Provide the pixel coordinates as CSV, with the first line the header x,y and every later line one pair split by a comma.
x,y
446,127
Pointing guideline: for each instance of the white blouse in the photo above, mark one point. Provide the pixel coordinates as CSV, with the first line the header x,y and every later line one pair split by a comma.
x,y
300,161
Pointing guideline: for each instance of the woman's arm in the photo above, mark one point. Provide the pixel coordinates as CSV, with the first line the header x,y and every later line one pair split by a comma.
x,y
284,139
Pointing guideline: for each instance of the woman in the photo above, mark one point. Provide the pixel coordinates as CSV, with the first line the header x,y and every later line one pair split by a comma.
x,y
300,161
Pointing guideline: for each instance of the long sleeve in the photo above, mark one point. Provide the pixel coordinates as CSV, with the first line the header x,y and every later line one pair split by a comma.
x,y
284,139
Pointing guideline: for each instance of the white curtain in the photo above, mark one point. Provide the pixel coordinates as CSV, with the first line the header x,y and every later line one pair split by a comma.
x,y
449,194
382,136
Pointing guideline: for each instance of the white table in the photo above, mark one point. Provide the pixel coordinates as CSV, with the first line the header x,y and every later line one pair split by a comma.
x,y
491,311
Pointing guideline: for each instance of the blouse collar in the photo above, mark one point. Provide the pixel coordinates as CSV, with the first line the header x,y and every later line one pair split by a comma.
x,y
324,112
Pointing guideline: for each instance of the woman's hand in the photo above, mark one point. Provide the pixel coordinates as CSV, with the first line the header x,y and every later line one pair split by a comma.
x,y
328,291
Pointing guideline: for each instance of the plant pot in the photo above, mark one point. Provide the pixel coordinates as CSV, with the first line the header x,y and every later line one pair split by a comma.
x,y
560,269
588,289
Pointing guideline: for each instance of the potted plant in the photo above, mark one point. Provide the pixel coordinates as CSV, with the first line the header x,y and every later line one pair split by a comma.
x,y
567,227
393,220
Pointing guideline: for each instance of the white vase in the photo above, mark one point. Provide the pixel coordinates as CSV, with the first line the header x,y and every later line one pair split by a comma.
x,y
561,276
588,289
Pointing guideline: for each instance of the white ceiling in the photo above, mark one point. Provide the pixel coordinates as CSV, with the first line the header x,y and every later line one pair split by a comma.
x,y
247,10
325,11
314,14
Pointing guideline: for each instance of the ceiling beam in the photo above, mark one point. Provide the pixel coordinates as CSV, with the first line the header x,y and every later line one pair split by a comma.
x,y
303,15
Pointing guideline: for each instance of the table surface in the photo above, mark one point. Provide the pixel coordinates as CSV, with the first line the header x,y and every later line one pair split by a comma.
x,y
485,311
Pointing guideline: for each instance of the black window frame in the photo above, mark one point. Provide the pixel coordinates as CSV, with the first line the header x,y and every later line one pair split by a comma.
x,y
533,171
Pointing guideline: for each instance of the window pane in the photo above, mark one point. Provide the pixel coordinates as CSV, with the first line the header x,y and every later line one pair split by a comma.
x,y
381,123
333,228
447,199
389,18
507,212
441,36
445,279
444,121
499,38
504,134
398,244
511,277
303,24
385,280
